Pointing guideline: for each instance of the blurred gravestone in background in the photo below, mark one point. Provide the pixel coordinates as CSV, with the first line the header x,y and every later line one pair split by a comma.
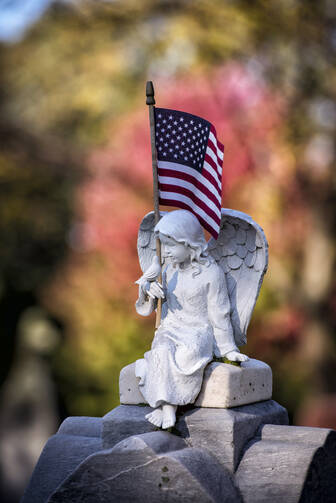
x,y
75,179
38,174
29,411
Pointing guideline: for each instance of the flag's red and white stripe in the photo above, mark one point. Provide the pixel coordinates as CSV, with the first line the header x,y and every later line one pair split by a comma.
x,y
198,192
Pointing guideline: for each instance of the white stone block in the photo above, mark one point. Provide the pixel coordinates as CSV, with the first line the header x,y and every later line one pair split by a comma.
x,y
224,385
128,387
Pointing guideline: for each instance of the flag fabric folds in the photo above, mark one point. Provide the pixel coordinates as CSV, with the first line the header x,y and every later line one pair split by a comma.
x,y
190,162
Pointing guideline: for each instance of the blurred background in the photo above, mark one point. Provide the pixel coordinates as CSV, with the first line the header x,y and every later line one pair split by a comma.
x,y
75,182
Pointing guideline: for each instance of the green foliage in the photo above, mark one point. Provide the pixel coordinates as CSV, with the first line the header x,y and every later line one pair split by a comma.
x,y
226,360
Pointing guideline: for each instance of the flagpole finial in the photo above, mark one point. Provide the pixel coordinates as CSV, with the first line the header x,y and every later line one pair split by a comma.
x,y
150,93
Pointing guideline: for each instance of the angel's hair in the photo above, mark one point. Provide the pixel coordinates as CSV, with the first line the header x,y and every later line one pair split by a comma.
x,y
183,227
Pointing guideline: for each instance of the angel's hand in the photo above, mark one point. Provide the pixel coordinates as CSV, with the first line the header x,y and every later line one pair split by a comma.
x,y
155,290
236,356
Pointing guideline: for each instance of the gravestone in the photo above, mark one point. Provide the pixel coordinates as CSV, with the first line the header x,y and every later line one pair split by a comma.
x,y
239,454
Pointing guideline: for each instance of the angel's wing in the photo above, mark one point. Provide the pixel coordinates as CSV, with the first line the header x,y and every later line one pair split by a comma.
x,y
241,250
146,240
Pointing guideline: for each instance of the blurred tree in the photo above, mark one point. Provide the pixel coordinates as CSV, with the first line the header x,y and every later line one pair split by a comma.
x,y
38,175
258,71
295,48
36,183
75,181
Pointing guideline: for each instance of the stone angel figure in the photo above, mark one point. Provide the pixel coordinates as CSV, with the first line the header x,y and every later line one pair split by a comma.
x,y
208,293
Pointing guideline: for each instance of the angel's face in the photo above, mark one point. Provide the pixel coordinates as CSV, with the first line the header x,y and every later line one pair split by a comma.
x,y
177,252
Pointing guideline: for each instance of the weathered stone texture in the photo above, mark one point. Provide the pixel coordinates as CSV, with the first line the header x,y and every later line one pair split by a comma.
x,y
224,385
149,468
61,455
289,467
82,426
243,454
124,421
128,387
226,431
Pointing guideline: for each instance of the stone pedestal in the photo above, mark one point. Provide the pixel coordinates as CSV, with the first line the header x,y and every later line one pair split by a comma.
x,y
129,392
124,421
244,454
222,431
218,452
224,385
153,467
289,463
76,439
225,432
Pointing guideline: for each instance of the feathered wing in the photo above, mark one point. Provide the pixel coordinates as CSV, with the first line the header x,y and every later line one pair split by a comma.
x,y
146,241
241,250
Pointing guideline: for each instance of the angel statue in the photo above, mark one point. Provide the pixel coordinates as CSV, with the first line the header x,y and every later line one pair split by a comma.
x,y
208,293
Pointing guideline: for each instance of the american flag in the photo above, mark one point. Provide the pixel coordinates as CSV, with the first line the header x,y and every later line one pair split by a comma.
x,y
190,162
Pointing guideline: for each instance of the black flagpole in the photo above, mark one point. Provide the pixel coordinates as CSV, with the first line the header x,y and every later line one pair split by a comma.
x,y
150,101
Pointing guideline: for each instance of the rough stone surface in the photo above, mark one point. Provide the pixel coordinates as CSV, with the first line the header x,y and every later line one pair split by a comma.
x,y
289,468
60,456
82,426
226,385
128,386
143,468
223,385
155,441
304,434
226,431
320,481
246,453
124,421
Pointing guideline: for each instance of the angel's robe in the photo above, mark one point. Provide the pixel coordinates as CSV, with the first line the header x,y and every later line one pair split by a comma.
x,y
195,325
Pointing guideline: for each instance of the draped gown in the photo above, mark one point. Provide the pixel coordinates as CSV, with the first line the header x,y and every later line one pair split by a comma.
x,y
195,325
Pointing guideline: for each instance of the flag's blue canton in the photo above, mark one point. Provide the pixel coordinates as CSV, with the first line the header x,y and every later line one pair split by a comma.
x,y
181,137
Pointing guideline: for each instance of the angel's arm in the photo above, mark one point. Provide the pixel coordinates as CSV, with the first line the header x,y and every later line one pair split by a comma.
x,y
149,293
219,314
145,304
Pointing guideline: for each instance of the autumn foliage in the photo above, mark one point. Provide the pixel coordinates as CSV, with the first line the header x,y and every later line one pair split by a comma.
x,y
257,72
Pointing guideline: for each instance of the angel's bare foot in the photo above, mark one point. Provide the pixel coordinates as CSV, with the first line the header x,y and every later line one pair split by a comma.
x,y
235,356
155,417
169,416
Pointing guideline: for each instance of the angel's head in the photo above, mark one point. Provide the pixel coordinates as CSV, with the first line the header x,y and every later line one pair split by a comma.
x,y
182,237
